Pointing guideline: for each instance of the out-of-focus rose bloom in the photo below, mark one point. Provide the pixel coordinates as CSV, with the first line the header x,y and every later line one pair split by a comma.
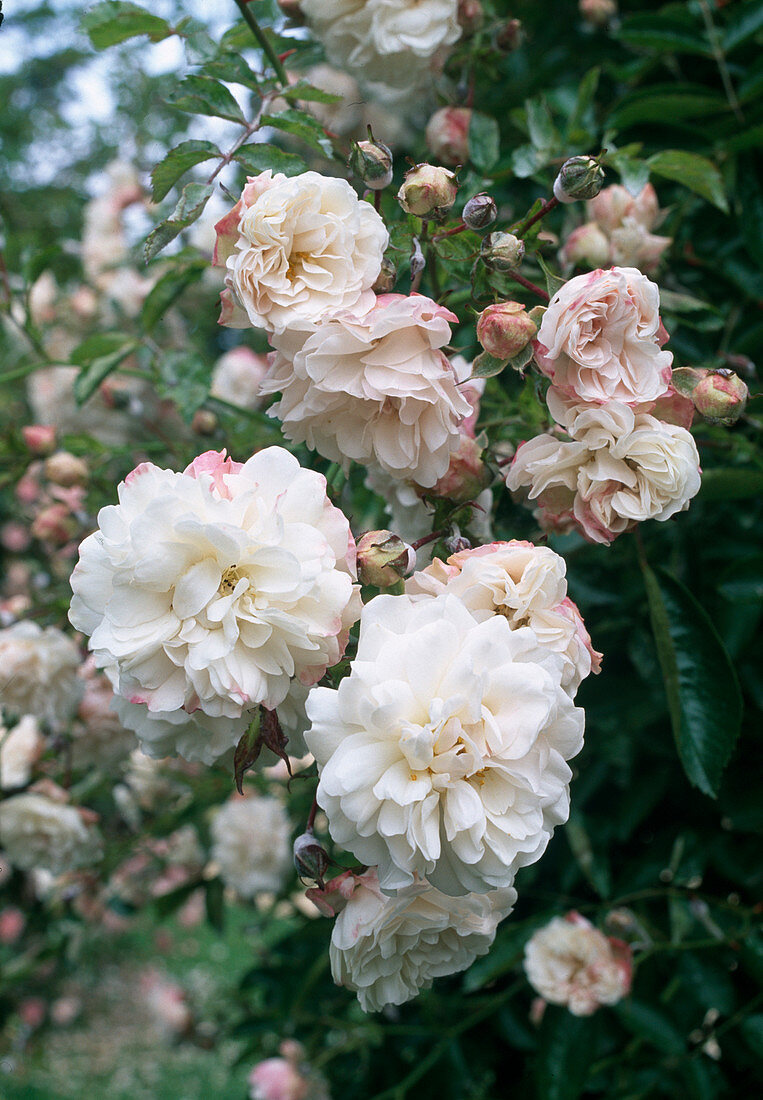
x,y
37,831
32,1011
98,736
444,752
14,537
620,469
525,584
40,439
387,949
277,1079
38,673
600,338
43,295
209,590
390,41
111,415
19,749
166,1002
65,1010
587,246
54,524
569,962
344,117
296,248
373,388
104,245
614,204
447,135
251,844
619,232
66,469
12,924
237,377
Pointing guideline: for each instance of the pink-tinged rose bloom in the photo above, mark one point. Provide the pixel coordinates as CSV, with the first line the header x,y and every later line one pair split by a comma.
x,y
295,248
586,246
211,589
601,339
12,924
373,388
525,584
444,753
620,469
447,135
277,1079
388,949
569,962
614,204
39,438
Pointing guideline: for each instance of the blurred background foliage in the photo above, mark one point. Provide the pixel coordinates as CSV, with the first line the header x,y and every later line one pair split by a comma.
x,y
646,854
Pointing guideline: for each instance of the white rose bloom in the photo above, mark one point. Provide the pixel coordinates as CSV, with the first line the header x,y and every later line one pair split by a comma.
x,y
622,468
296,248
37,831
237,377
19,749
98,736
373,387
251,844
443,753
524,583
209,590
38,673
387,949
569,962
390,41
600,338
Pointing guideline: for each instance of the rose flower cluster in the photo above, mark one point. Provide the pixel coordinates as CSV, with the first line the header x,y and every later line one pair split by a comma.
x,y
222,595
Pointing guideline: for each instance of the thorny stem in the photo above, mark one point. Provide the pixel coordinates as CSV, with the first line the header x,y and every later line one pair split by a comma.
x,y
527,284
262,39
548,205
311,816
251,127
450,232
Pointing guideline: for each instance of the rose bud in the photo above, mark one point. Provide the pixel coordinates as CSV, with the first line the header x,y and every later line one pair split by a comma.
x,y
504,329
371,161
66,469
586,246
466,476
455,544
502,251
480,212
510,36
40,439
310,858
447,134
470,16
579,178
384,559
204,422
720,397
598,12
386,279
428,192
55,524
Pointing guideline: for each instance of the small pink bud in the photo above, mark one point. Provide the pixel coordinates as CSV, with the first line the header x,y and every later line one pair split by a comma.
x,y
479,212
598,12
720,397
54,524
504,329
466,476
66,469
447,134
428,191
14,537
383,558
40,439
277,1079
32,1011
12,924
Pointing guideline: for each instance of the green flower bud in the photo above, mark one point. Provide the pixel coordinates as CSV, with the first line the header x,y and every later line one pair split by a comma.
x,y
428,191
371,161
579,178
502,251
